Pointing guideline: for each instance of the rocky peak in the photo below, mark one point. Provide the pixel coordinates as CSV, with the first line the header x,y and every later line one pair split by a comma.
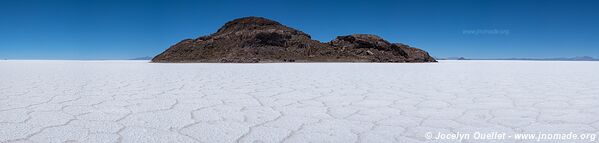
x,y
257,39
248,23
250,27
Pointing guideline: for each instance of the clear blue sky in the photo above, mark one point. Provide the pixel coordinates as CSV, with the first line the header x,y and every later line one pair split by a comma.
x,y
123,29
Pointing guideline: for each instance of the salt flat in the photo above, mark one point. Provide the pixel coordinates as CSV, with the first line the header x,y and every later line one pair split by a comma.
x,y
136,101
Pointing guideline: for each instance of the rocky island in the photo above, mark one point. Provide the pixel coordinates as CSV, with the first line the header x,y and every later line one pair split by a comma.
x,y
257,39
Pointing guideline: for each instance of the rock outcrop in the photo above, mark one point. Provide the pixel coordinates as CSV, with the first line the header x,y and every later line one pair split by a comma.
x,y
256,39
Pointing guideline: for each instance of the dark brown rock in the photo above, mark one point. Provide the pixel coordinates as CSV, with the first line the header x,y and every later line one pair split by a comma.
x,y
255,39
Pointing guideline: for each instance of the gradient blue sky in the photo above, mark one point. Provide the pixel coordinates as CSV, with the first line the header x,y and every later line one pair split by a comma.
x,y
123,29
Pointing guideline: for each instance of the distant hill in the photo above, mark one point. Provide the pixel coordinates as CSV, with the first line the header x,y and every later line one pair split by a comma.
x,y
581,58
452,58
142,58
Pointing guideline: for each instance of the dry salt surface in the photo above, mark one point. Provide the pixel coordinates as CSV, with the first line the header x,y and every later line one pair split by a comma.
x,y
136,101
